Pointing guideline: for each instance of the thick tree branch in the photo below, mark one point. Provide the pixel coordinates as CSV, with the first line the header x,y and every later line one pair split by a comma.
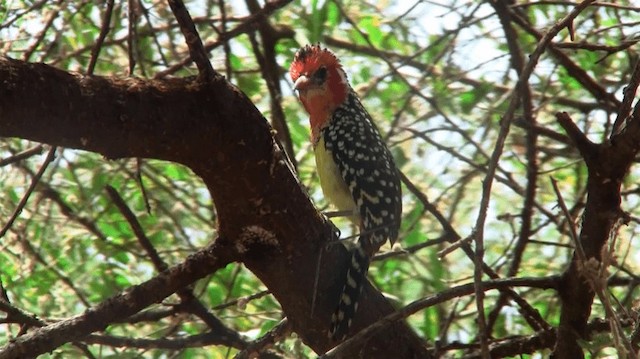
x,y
608,164
215,130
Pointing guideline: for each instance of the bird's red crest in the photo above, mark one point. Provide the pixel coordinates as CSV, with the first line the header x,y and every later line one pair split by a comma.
x,y
309,58
322,84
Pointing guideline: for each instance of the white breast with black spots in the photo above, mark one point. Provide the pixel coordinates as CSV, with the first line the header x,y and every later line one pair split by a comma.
x,y
367,168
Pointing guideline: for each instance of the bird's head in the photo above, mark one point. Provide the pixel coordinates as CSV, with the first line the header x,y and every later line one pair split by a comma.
x,y
320,81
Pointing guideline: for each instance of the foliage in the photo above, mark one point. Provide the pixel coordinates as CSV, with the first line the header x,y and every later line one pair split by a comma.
x,y
437,77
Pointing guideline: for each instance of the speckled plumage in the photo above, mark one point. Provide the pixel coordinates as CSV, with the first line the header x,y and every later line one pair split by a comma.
x,y
362,175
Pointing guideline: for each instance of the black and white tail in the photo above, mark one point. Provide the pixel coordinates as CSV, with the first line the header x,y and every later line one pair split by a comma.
x,y
348,305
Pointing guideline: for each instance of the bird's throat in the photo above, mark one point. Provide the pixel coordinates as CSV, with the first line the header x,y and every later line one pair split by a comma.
x,y
320,109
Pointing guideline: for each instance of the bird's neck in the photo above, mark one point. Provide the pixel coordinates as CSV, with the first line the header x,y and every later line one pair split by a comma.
x,y
318,121
321,105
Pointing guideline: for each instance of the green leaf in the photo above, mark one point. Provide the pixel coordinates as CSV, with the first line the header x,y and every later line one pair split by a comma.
x,y
121,257
470,99
235,61
333,15
176,172
317,20
371,26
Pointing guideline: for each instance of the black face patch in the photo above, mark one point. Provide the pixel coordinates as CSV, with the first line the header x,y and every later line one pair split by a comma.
x,y
320,76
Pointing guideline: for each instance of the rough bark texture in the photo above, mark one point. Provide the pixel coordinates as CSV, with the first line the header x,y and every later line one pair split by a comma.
x,y
264,214
608,163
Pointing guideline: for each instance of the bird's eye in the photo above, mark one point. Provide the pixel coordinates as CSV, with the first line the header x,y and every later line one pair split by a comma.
x,y
320,75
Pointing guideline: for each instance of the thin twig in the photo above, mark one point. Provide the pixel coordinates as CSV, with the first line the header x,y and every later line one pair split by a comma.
x,y
441,297
518,63
22,155
48,23
137,229
629,95
32,187
505,125
260,345
570,220
196,48
243,299
225,45
104,30
246,26
132,27
531,315
582,143
596,279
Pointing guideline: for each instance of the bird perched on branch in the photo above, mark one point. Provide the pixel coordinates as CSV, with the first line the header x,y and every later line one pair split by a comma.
x,y
356,169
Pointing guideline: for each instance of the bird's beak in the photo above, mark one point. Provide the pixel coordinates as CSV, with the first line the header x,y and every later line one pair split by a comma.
x,y
302,83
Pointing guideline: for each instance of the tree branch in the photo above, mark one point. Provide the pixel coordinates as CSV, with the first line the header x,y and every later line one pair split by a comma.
x,y
214,129
608,164
120,306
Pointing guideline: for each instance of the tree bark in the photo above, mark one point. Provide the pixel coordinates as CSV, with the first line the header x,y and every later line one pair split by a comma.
x,y
215,130
608,164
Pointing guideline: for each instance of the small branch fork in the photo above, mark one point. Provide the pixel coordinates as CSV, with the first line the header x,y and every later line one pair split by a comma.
x,y
608,164
189,301
23,202
121,306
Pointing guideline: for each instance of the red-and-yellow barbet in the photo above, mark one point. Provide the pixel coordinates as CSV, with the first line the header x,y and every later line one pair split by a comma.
x,y
356,169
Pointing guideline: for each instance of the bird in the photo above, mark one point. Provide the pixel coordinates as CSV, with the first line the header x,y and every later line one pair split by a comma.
x,y
356,168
